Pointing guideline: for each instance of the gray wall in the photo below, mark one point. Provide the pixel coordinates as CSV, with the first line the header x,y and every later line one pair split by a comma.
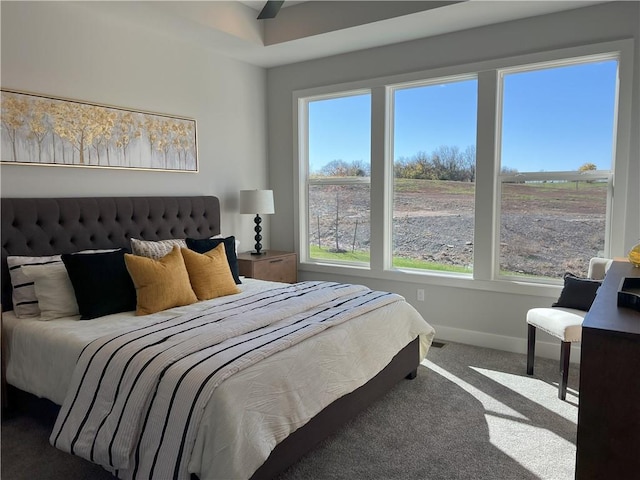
x,y
72,50
464,313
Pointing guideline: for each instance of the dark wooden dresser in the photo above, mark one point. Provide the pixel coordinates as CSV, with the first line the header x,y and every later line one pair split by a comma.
x,y
608,444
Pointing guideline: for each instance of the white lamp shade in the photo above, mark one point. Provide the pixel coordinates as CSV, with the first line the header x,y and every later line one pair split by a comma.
x,y
256,201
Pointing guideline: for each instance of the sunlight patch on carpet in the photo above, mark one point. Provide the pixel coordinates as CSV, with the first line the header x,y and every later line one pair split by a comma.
x,y
536,390
488,402
516,435
515,440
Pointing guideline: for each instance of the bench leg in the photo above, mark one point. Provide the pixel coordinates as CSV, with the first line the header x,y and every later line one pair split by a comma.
x,y
565,351
531,348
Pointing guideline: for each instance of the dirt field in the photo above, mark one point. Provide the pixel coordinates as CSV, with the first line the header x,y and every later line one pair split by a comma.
x,y
547,229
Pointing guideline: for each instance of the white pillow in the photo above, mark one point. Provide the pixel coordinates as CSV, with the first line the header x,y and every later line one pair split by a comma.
x,y
25,301
54,290
155,249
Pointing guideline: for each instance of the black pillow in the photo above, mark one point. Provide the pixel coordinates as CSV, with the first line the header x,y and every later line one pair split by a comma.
x,y
101,283
578,293
206,244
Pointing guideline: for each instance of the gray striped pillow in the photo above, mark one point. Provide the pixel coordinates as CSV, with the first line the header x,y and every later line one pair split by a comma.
x,y
25,302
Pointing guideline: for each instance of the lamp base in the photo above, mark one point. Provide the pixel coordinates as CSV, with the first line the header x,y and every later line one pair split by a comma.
x,y
263,252
258,237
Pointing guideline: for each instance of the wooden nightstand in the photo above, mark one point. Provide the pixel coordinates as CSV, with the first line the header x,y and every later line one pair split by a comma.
x,y
273,266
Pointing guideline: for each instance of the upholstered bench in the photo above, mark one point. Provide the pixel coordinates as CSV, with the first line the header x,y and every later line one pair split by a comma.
x,y
564,319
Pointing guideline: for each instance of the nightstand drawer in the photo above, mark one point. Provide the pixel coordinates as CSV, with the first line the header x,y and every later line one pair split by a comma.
x,y
281,269
273,266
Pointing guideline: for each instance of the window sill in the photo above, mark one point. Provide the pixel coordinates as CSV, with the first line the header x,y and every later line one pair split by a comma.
x,y
441,279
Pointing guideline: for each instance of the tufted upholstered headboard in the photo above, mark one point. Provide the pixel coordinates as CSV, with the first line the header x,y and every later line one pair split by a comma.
x,y
49,226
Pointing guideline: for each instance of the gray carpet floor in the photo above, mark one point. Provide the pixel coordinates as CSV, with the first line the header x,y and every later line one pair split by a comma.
x,y
472,413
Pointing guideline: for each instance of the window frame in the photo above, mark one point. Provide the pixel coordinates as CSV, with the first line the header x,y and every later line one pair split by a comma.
x,y
390,160
487,168
501,179
303,155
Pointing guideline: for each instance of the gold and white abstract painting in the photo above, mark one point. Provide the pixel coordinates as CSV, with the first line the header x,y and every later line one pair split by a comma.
x,y
44,130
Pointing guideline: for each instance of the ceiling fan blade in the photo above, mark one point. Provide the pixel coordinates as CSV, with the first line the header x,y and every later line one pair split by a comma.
x,y
271,9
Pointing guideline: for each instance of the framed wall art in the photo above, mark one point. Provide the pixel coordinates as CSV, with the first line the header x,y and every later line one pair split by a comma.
x,y
44,130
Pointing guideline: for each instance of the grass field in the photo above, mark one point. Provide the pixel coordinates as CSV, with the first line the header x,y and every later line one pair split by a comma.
x,y
362,256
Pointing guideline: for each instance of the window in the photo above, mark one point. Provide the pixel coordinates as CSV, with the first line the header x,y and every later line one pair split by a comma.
x,y
434,151
556,159
489,175
338,180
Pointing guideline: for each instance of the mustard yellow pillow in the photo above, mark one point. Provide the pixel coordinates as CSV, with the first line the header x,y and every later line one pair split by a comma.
x,y
209,273
160,284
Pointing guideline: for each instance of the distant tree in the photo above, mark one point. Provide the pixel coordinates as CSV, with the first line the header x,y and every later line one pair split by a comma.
x,y
421,166
508,171
469,162
340,168
587,167
335,168
359,169
450,163
444,163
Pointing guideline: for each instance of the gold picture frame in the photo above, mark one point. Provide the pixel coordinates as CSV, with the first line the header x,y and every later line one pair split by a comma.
x,y
50,131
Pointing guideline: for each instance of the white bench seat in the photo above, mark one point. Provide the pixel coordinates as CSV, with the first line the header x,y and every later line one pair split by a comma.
x,y
562,323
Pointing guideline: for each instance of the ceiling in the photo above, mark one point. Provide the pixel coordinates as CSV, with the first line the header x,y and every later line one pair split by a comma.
x,y
306,30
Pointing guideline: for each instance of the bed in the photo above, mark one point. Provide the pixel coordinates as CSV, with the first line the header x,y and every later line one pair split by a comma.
x,y
260,418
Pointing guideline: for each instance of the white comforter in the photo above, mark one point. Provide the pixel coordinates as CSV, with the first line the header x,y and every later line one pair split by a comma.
x,y
251,412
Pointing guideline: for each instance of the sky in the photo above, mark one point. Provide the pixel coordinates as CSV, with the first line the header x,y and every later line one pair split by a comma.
x,y
555,119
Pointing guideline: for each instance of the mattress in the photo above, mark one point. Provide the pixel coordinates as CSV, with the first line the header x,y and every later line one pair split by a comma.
x,y
255,409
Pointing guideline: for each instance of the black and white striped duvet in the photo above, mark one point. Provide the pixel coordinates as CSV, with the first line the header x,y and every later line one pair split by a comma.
x,y
136,398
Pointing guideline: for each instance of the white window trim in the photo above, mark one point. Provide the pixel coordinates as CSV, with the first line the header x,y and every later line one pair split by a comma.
x,y
486,164
339,180
548,176
305,179
389,167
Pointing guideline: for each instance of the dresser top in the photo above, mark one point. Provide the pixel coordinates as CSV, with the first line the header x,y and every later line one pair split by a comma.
x,y
605,314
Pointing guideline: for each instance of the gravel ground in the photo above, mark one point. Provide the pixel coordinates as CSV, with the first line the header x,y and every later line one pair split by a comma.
x,y
535,239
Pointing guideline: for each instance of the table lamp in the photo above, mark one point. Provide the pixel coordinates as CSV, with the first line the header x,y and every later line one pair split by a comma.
x,y
258,202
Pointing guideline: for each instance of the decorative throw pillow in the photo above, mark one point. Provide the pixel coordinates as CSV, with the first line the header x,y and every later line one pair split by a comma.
x,y
237,242
578,293
209,273
155,249
53,290
25,301
160,284
207,244
101,283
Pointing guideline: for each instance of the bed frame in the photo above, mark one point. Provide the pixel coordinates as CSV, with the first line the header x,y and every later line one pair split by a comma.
x,y
49,226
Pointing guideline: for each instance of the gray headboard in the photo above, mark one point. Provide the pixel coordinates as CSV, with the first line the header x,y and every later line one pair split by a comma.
x,y
49,226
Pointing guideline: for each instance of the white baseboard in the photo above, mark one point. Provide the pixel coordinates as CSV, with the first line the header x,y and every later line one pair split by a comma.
x,y
502,342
